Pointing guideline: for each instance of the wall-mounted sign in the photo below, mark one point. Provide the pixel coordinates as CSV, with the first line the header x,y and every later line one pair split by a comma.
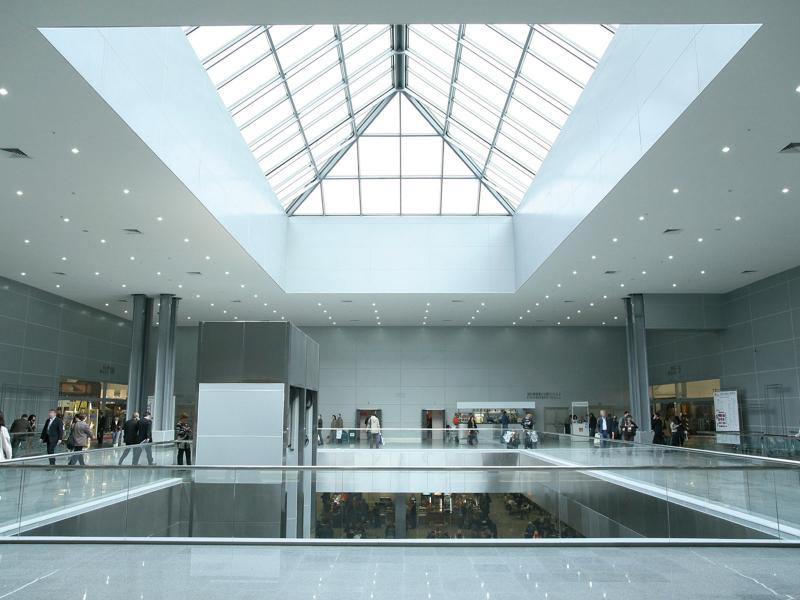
x,y
544,396
726,416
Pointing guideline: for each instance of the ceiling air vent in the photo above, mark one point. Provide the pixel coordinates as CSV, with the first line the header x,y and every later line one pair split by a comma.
x,y
347,301
58,273
793,148
194,273
131,232
457,301
447,321
236,301
568,301
672,230
355,320
14,153
610,272
748,271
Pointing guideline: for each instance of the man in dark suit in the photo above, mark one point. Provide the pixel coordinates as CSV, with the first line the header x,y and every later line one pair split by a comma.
x,y
130,435
145,438
52,433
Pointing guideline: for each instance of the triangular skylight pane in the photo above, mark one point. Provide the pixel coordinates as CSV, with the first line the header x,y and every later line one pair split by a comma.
x,y
339,119
347,165
489,204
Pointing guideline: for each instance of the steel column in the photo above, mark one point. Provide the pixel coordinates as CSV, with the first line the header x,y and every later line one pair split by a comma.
x,y
637,366
164,402
137,369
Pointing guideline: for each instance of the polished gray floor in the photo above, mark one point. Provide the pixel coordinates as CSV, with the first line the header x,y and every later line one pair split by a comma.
x,y
87,572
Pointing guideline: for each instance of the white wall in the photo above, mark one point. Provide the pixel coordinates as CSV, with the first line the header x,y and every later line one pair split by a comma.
x,y
400,254
153,80
403,370
646,80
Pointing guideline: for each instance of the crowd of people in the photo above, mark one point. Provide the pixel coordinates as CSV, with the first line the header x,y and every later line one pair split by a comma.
x,y
460,516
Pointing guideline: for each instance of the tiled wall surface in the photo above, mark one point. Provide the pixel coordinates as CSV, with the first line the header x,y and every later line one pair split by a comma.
x,y
757,352
44,337
403,370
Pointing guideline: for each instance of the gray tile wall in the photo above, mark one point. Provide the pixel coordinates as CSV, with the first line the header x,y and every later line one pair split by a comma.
x,y
757,352
44,337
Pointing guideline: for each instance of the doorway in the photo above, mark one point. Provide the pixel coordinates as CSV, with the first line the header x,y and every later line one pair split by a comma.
x,y
432,424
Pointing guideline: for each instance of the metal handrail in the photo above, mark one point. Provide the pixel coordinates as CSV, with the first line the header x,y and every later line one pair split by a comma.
x,y
39,457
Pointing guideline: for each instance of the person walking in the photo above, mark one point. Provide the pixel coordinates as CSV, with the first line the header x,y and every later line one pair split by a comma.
x,y
340,428
503,423
373,430
657,426
6,453
52,433
332,432
145,438
130,436
31,431
628,427
80,433
183,434
604,428
675,431
319,430
117,423
472,430
18,430
592,426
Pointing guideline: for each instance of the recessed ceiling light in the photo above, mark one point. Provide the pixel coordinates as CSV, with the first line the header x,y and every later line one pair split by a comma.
x,y
594,257
63,258
670,257
373,304
699,239
241,286
537,304
329,318
324,311
591,303
180,286
27,241
318,303
97,273
102,241
255,295
334,323
124,285
188,318
621,285
126,191
797,89
675,190
579,311
208,258
615,240
726,149
702,272
158,273
235,318
737,218
20,193
133,258
558,323
224,312
58,285
483,303
477,310
568,318
125,311
197,295
785,190
186,240
558,285
159,218
65,219
212,304
674,285
23,273
427,304
527,311
616,317
574,272
605,297
75,151
472,317
641,217
546,297
274,312
514,323
426,310
227,272
603,323
644,272
3,91
106,303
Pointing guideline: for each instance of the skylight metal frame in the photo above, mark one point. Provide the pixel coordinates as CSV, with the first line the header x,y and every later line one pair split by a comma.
x,y
498,117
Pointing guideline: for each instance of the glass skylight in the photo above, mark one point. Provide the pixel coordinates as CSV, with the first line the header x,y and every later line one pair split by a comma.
x,y
391,120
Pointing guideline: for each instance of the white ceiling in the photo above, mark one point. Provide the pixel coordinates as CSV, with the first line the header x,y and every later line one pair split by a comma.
x,y
752,107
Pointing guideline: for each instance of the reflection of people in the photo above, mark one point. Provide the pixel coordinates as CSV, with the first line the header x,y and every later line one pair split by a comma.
x,y
183,433
503,423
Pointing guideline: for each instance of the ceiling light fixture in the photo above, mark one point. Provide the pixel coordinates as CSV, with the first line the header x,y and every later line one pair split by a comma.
x,y
737,218
159,218
124,285
558,285
785,190
4,91
574,272
644,272
616,317
674,285
227,272
63,258
133,258
241,286
537,304
27,241
186,240
702,272
58,285
726,149
700,240
641,217
75,151
97,273
180,286
594,257
23,273
158,273
126,191
65,219
670,257
208,258
605,297
621,285
675,190
102,241
20,193
591,303
615,240
106,303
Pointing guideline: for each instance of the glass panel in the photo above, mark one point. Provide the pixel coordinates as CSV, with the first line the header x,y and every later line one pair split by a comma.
x,y
459,196
421,156
311,205
495,44
441,58
421,196
411,119
359,51
260,73
551,50
347,165
593,39
281,33
340,196
490,92
260,103
272,121
207,40
518,33
540,102
453,165
369,90
301,47
331,143
325,119
489,204
551,81
380,196
254,47
379,156
525,118
477,125
388,121
322,83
